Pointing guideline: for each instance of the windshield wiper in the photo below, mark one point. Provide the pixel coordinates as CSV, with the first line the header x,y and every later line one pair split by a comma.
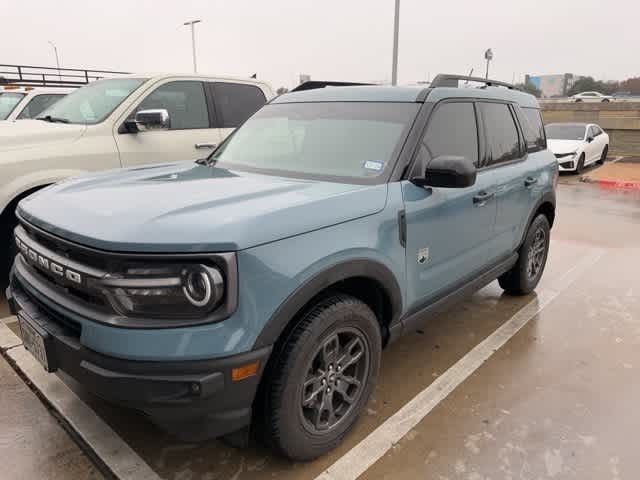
x,y
49,118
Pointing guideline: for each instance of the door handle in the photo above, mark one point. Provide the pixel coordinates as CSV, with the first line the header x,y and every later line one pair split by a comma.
x,y
530,181
482,198
205,145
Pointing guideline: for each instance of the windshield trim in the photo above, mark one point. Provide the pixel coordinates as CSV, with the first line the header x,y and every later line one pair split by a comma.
x,y
143,81
384,176
22,95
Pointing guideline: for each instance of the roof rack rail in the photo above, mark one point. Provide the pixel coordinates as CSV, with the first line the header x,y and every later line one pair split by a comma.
x,y
32,76
449,80
313,84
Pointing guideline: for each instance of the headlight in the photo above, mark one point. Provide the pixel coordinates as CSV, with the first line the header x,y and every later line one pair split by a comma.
x,y
169,291
565,155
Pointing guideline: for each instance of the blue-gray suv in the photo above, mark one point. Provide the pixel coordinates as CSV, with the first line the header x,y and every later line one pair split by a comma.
x,y
257,287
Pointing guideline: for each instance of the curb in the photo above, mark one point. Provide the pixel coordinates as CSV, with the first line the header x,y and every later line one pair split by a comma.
x,y
613,184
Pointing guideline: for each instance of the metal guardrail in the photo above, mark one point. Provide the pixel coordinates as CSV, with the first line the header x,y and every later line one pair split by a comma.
x,y
33,76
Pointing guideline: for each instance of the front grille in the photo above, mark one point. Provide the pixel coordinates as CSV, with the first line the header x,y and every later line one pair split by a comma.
x,y
66,249
71,327
69,259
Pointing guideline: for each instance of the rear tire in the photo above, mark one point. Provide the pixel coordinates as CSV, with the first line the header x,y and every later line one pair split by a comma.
x,y
532,258
604,155
323,378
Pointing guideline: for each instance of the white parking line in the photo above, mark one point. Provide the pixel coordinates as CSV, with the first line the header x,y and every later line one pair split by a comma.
x,y
106,444
355,462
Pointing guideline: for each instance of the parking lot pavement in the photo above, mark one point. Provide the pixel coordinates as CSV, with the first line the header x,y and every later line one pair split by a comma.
x,y
555,400
32,443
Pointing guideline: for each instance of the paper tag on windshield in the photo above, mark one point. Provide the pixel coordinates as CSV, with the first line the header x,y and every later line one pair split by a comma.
x,y
373,165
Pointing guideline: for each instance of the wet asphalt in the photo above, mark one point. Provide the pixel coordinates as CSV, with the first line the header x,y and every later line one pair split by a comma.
x,y
558,400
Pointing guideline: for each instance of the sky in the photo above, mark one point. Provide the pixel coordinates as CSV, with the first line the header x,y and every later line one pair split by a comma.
x,y
349,40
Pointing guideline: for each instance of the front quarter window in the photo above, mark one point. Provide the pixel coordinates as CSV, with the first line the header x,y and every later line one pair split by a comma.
x,y
93,103
343,140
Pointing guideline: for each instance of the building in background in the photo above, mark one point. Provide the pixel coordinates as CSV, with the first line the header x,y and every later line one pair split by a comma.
x,y
553,85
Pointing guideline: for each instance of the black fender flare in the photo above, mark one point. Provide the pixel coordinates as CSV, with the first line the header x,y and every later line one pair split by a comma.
x,y
547,197
366,268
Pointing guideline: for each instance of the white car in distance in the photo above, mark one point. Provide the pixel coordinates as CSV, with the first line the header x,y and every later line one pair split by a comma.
x,y
20,103
591,97
577,145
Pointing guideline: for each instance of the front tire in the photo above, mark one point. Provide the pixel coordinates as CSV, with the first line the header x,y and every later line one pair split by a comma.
x,y
532,258
8,223
580,166
323,378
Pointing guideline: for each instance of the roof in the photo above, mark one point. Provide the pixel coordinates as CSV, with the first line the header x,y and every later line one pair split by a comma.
x,y
369,93
385,93
490,93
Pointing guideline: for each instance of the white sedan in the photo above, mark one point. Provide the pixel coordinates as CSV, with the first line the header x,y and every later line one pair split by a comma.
x,y
591,97
577,145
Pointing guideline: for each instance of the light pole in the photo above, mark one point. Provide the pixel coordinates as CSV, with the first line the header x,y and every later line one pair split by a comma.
x,y
394,64
193,42
55,50
488,55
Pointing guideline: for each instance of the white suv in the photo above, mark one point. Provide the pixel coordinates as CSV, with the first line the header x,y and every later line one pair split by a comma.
x,y
126,121
17,103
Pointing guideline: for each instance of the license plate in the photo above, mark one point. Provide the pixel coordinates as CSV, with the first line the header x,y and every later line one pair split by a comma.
x,y
34,341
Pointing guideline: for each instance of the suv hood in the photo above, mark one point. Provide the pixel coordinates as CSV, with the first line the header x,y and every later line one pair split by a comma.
x,y
564,146
32,133
192,208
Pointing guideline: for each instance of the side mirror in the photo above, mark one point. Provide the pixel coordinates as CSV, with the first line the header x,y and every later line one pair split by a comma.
x,y
152,119
449,172
589,139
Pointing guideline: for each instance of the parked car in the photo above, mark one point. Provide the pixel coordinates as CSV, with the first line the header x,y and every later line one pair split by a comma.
x,y
120,122
577,145
263,283
17,103
591,97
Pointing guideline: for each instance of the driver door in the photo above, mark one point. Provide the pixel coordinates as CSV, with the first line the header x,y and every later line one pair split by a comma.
x,y
449,231
190,135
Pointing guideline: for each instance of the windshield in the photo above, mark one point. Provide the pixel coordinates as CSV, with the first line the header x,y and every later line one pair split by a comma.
x,y
8,102
93,103
556,131
334,139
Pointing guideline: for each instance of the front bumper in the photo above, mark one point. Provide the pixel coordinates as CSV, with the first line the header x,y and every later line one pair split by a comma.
x,y
194,400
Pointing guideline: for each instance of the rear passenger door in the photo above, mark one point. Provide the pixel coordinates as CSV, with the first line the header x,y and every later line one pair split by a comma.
x,y
505,154
234,103
448,231
192,133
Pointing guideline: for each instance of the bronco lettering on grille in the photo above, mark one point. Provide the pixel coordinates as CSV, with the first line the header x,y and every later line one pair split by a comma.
x,y
44,263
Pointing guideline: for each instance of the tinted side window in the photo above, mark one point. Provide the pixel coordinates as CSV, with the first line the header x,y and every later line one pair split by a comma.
x,y
236,102
184,100
533,130
597,130
39,104
501,134
451,130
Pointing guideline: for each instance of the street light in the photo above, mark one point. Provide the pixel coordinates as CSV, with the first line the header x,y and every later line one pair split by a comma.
x,y
193,42
394,64
488,55
55,50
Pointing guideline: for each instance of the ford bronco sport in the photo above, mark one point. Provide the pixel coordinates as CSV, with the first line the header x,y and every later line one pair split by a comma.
x,y
260,286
